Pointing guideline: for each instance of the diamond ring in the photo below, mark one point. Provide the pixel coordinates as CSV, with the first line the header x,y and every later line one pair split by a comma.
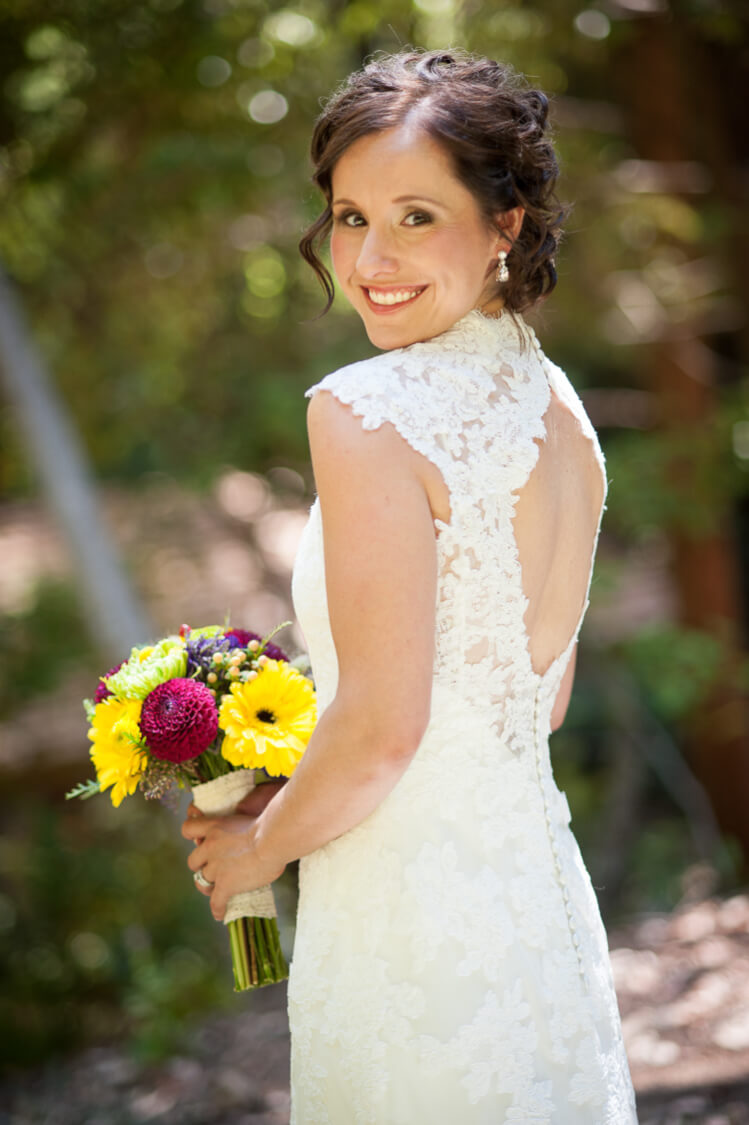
x,y
201,880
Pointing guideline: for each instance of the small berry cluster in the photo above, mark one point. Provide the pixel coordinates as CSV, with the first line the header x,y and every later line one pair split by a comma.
x,y
237,665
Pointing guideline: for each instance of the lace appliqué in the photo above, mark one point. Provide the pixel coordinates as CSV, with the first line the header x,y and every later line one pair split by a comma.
x,y
450,962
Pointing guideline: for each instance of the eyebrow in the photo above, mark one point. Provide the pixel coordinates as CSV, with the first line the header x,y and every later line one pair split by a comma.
x,y
399,199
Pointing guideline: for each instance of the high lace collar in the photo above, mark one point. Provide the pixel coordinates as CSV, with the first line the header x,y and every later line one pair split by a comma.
x,y
477,334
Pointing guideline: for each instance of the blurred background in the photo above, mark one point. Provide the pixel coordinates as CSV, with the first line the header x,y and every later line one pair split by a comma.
x,y
157,332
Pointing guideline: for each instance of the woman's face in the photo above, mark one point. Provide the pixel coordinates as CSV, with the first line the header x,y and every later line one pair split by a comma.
x,y
410,247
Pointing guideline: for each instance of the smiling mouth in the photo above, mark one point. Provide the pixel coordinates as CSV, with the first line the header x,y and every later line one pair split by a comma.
x,y
392,298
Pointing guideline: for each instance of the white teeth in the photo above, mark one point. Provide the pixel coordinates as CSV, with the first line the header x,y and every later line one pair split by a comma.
x,y
394,297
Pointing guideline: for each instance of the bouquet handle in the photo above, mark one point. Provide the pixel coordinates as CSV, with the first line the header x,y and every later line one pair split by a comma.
x,y
220,797
257,958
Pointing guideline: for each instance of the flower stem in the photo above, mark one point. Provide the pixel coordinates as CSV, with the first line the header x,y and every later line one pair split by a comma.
x,y
256,954
238,962
262,950
254,976
280,968
251,951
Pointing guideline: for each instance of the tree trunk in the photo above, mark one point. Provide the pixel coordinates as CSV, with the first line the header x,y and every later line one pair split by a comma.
x,y
661,82
113,614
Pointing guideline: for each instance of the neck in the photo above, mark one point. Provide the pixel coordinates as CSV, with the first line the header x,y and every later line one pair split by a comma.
x,y
492,307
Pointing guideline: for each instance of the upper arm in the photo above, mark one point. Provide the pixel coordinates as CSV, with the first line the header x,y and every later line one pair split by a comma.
x,y
381,570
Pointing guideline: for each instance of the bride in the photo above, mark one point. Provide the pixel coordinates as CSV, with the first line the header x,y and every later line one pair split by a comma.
x,y
450,964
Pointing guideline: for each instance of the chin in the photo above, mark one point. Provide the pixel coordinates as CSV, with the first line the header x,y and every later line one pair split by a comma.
x,y
387,335
384,338
389,341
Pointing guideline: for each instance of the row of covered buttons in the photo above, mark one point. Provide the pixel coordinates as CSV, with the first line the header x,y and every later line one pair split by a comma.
x,y
550,826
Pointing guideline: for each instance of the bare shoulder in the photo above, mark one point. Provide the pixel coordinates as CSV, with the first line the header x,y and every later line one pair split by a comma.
x,y
338,437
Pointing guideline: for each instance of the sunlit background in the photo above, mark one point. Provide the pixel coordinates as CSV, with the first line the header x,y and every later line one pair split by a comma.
x,y
157,332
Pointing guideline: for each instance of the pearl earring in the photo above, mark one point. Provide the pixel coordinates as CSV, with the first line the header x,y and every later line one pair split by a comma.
x,y
503,274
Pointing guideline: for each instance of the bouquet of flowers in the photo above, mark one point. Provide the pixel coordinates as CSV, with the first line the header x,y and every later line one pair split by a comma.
x,y
206,709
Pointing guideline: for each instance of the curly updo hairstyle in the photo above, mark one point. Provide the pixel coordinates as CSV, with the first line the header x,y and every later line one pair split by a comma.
x,y
489,121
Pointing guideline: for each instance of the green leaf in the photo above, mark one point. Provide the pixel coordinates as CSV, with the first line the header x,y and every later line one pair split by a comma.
x,y
84,790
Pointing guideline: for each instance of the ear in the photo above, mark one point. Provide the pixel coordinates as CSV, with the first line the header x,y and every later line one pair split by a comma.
x,y
509,224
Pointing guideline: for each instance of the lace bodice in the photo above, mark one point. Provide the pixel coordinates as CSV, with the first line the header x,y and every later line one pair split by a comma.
x,y
450,964
472,401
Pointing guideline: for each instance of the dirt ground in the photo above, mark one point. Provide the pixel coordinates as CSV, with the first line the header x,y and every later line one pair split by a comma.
x,y
683,986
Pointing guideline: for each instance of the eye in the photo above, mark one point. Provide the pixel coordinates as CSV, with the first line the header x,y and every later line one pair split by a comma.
x,y
349,219
417,218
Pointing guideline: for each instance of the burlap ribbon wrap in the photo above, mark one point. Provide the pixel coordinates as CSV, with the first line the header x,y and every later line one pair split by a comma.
x,y
220,797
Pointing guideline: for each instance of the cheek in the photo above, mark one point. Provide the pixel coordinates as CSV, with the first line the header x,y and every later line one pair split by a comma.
x,y
464,255
477,258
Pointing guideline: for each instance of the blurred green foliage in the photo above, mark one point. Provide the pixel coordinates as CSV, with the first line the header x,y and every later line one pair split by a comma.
x,y
154,183
99,937
40,644
675,667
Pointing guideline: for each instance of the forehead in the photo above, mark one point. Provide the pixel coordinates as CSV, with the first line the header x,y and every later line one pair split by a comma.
x,y
399,160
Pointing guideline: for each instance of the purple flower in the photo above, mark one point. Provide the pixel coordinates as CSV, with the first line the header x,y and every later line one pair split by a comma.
x,y
240,638
200,654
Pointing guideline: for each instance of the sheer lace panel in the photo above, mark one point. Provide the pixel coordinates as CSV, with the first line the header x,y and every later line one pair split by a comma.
x,y
556,526
475,403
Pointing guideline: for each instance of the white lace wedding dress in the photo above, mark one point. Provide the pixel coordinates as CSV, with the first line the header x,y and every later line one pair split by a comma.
x,y
450,964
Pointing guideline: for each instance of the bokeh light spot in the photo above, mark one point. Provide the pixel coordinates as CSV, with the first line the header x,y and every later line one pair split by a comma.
x,y
254,53
593,24
163,260
265,273
244,496
267,107
45,42
435,7
89,950
261,308
248,232
293,28
741,440
40,90
213,71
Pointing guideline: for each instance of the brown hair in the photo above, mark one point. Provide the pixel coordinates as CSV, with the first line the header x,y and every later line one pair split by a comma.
x,y
491,123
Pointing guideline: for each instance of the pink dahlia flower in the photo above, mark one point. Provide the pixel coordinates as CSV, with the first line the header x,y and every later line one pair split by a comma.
x,y
179,720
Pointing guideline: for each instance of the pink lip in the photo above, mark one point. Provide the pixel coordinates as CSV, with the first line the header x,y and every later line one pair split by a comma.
x,y
385,309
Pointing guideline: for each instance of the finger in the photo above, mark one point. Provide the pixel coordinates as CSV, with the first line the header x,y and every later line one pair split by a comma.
x,y
197,858
207,891
219,903
195,827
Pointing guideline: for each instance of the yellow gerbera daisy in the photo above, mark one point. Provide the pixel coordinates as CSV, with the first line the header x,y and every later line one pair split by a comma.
x,y
117,760
268,721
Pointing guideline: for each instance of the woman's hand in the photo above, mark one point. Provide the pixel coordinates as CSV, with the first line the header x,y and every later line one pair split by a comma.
x,y
258,798
226,850
253,803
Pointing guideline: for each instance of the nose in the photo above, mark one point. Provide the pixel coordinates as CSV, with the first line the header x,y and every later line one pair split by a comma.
x,y
377,254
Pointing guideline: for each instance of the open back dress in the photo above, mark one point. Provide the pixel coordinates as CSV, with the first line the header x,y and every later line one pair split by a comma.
x,y
450,965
